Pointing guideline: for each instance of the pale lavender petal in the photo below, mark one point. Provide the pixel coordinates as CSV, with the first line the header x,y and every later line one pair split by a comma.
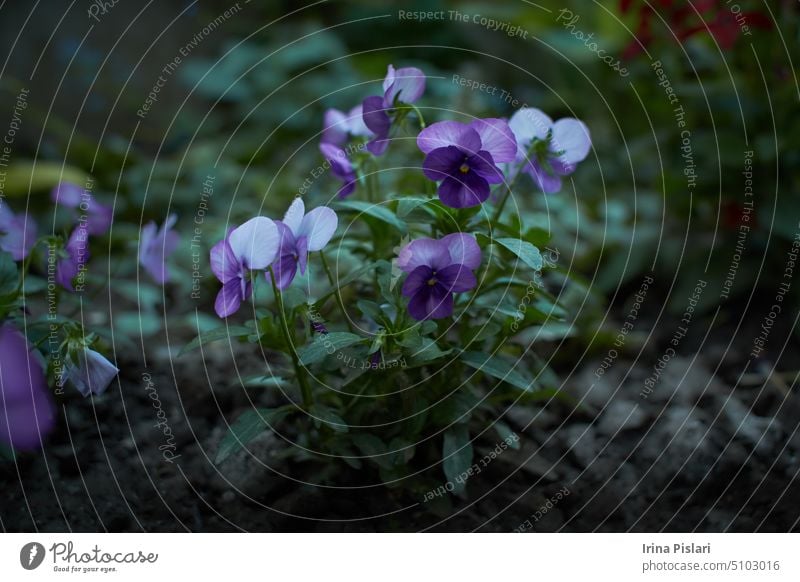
x,y
547,183
496,138
100,217
318,227
18,236
464,249
302,253
571,138
334,127
6,216
423,252
93,373
67,194
255,243
448,133
294,215
355,122
529,123
406,84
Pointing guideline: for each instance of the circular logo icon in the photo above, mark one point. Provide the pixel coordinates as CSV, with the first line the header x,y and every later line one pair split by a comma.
x,y
31,555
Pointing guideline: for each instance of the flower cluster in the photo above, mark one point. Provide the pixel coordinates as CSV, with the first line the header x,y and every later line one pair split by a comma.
x,y
260,244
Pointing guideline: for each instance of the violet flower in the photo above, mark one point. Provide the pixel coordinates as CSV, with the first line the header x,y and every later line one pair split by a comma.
x,y
549,150
76,256
98,216
338,126
17,233
464,158
341,167
155,245
252,246
92,373
437,269
27,413
404,85
300,234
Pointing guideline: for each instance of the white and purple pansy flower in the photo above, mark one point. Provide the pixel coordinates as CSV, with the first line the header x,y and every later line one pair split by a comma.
x,y
301,233
98,216
156,245
403,85
464,158
17,233
90,372
339,126
252,246
436,270
341,167
549,150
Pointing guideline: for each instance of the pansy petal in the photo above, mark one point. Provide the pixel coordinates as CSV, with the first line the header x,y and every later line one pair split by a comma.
x,y
67,194
18,237
483,164
285,269
302,254
294,215
547,183
406,84
355,122
448,133
416,280
443,162
375,116
464,192
229,298
255,243
100,218
529,123
463,249
496,138
423,252
457,278
224,264
334,127
431,302
571,140
318,227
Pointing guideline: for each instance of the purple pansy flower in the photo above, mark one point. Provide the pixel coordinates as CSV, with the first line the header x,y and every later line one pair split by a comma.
x,y
300,234
464,158
92,373
155,245
437,269
341,167
338,126
549,150
17,233
404,85
98,216
27,413
77,255
250,247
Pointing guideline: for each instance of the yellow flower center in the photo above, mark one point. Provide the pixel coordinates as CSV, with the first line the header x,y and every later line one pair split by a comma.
x,y
464,168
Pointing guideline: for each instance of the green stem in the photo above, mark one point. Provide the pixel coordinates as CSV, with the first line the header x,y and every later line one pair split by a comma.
x,y
499,211
419,116
308,399
337,293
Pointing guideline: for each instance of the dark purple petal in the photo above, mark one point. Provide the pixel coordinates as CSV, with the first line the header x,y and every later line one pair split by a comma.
x,y
463,248
443,162
496,138
483,164
416,280
77,250
456,278
423,252
285,269
468,190
375,116
230,297
448,133
224,264
27,413
431,302
302,253
100,217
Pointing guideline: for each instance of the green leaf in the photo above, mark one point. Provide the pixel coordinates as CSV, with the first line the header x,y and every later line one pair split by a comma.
x,y
427,352
375,211
528,253
344,282
327,416
247,427
214,335
508,435
457,456
9,276
497,367
326,345
264,382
